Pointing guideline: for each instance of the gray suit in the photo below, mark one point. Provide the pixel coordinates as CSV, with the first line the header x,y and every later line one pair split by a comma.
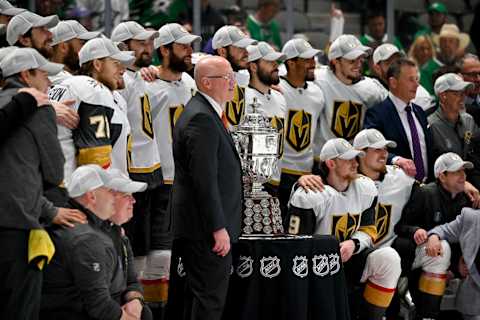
x,y
465,230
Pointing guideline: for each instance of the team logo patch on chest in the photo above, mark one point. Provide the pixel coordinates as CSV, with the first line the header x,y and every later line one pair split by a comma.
x,y
346,119
382,220
343,226
174,114
147,126
299,129
279,124
235,109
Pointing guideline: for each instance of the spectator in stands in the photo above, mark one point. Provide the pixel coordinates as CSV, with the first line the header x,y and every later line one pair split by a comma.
x,y
437,17
376,32
120,12
402,121
212,20
452,44
262,25
421,50
470,69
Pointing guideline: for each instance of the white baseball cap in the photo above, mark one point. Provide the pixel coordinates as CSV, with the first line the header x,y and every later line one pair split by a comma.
x,y
7,9
372,138
173,32
451,81
6,51
450,162
263,51
347,46
131,30
231,36
122,183
384,52
300,48
21,23
87,178
339,148
102,48
71,29
22,59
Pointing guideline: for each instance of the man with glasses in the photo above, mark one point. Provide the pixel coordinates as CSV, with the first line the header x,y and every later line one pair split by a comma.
x,y
470,69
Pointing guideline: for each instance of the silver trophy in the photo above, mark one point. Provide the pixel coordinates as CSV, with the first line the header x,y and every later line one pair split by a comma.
x,y
258,145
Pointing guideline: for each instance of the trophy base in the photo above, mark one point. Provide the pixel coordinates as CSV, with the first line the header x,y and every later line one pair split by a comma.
x,y
261,215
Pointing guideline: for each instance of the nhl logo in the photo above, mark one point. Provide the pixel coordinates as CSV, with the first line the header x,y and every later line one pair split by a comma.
x,y
321,266
334,263
180,270
300,266
245,267
270,267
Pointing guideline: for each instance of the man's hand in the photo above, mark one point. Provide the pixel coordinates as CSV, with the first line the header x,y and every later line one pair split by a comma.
x,y
346,249
222,242
311,182
462,268
66,217
133,308
149,74
434,246
473,194
420,236
40,97
407,165
66,116
127,316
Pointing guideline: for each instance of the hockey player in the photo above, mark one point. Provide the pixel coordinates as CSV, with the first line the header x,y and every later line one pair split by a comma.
x,y
304,107
346,210
231,43
263,69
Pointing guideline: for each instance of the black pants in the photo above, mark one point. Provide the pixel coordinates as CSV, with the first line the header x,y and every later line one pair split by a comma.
x,y
20,283
72,315
207,277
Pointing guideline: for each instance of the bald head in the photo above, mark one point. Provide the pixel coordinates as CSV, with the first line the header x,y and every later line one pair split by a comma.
x,y
214,76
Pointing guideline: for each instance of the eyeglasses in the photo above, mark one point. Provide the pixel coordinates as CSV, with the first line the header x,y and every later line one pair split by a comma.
x,y
229,77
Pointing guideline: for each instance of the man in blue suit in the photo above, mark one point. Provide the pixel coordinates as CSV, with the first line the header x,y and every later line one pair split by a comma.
x,y
398,119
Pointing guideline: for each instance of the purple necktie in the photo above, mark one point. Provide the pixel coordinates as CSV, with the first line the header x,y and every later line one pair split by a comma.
x,y
417,151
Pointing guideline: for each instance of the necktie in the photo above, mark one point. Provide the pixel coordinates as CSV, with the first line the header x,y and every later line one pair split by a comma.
x,y
224,120
417,151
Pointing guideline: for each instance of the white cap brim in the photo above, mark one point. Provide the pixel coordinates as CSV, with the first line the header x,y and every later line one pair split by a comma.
x,y
188,39
462,86
12,11
147,34
127,186
274,56
89,35
383,144
354,54
460,165
52,68
244,43
351,154
49,22
124,57
310,53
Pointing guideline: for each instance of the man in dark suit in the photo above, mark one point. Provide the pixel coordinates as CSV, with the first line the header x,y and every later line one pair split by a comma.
x,y
206,198
404,122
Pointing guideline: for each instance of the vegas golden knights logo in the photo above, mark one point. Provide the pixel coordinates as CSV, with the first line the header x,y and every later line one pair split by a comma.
x,y
382,220
174,114
279,124
236,108
129,151
299,129
346,119
344,226
146,116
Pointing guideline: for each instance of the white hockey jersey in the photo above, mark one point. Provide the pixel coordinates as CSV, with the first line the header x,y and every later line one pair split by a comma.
x,y
59,77
120,146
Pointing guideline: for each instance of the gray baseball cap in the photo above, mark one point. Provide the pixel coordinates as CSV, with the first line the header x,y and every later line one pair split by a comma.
x,y
173,32
372,138
131,30
451,81
122,183
21,23
88,178
384,52
263,51
22,59
71,29
6,51
450,162
299,48
347,46
7,9
102,48
231,36
339,148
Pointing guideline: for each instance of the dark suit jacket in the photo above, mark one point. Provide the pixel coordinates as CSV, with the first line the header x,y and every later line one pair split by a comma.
x,y
207,190
384,117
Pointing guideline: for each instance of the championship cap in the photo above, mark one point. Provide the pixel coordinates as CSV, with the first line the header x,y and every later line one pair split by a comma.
x,y
451,81
131,30
21,59
231,36
102,48
372,138
347,46
263,51
384,52
339,148
173,32
7,9
122,183
71,29
450,162
6,51
21,23
87,178
299,48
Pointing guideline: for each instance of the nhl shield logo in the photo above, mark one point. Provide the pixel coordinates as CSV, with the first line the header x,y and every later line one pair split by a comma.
x,y
346,119
299,129
382,220
300,266
245,267
270,267
344,226
174,114
334,263
180,271
235,109
321,265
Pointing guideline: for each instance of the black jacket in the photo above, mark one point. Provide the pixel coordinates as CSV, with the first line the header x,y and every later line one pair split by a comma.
x,y
207,191
14,112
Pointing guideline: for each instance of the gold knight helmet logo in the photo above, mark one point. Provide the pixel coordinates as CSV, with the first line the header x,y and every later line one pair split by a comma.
x,y
299,129
235,109
346,119
344,226
382,220
175,113
278,123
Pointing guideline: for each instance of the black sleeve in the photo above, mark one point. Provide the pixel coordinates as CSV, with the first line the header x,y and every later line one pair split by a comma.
x,y
132,280
413,213
19,109
302,221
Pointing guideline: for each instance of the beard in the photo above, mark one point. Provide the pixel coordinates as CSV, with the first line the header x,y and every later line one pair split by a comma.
x,y
143,61
176,64
268,78
46,50
233,62
71,60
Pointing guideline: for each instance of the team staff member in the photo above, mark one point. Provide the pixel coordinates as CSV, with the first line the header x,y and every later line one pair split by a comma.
x,y
206,201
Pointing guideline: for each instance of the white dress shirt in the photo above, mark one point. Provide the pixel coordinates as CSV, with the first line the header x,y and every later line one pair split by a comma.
x,y
400,106
216,106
